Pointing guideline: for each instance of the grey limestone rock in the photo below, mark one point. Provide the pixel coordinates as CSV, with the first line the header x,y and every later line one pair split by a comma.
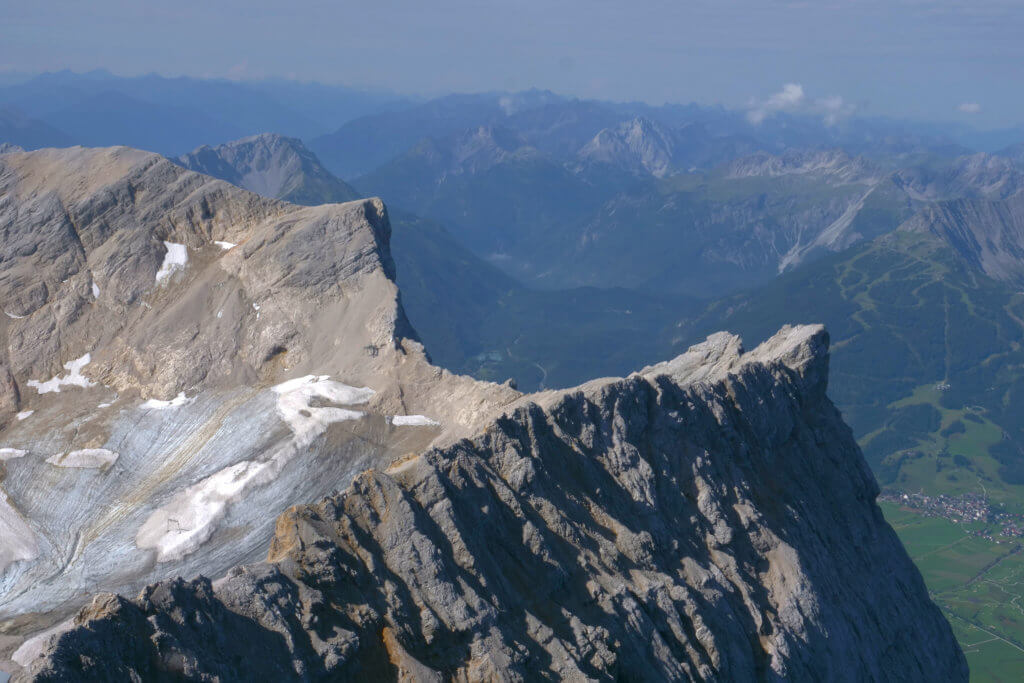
x,y
180,361
708,518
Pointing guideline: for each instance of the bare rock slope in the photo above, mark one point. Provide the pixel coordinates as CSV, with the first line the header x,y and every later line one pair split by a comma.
x,y
709,518
180,360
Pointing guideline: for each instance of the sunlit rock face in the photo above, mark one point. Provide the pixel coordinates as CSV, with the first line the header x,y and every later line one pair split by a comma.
x,y
707,518
182,360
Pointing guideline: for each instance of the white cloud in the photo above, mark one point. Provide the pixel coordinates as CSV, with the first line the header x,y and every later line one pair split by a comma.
x,y
791,95
789,98
970,108
792,98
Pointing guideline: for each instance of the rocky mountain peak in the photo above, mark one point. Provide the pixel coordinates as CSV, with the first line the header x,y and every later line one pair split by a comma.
x,y
707,518
273,166
182,358
638,145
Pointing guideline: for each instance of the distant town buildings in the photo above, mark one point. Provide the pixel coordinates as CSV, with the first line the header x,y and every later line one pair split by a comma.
x,y
965,508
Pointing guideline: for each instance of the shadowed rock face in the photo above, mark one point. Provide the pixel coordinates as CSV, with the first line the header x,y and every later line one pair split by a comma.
x,y
273,166
708,518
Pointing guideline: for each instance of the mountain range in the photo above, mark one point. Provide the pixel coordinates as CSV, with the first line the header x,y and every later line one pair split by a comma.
x,y
174,115
615,223
976,235
531,237
184,358
472,316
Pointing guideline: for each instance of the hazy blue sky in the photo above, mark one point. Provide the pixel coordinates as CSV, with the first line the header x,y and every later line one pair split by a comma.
x,y
938,59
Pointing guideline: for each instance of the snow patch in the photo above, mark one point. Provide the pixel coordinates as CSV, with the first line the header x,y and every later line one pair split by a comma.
x,y
186,522
73,378
24,415
413,421
175,259
19,543
177,401
104,405
308,422
88,458
12,316
226,245
95,290
33,647
11,453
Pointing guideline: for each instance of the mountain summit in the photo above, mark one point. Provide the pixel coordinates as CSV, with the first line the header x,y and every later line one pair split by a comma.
x,y
273,166
639,146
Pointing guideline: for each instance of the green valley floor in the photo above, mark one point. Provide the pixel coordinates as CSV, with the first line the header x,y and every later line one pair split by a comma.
x,y
979,584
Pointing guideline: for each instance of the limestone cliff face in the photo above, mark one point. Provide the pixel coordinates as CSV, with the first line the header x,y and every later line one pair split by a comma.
x,y
709,518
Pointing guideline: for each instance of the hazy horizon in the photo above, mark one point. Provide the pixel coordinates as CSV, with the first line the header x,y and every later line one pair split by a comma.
x,y
945,60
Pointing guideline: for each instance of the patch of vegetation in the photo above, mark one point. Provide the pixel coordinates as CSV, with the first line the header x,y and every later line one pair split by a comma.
x,y
1011,461
919,419
955,427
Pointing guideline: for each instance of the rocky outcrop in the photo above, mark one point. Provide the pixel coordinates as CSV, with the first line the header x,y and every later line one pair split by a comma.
x,y
273,166
180,360
709,518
